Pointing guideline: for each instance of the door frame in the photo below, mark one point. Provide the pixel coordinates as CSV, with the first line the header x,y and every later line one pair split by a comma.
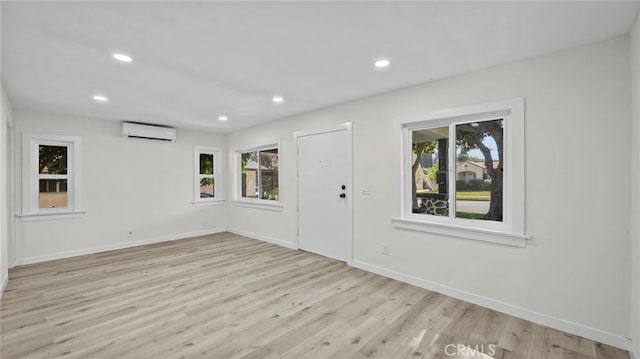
x,y
349,190
10,195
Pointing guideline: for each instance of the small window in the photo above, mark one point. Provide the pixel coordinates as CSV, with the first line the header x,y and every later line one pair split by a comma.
x,y
50,171
207,187
464,173
53,176
259,174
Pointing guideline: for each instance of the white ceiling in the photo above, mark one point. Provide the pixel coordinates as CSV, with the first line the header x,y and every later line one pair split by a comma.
x,y
196,60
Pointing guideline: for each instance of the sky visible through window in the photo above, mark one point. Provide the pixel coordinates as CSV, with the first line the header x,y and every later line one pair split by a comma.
x,y
490,143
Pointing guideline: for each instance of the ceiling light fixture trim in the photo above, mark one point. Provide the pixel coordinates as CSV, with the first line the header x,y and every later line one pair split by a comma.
x,y
382,63
122,57
100,98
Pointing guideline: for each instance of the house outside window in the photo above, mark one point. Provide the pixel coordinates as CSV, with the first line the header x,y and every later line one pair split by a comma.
x,y
472,184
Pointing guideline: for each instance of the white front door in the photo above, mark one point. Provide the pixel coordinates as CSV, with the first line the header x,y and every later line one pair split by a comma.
x,y
324,193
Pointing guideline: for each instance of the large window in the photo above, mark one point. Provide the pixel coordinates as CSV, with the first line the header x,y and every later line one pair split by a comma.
x,y
463,173
259,174
207,176
51,181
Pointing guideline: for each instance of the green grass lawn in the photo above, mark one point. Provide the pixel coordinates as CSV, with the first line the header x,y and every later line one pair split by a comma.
x,y
467,195
469,215
474,196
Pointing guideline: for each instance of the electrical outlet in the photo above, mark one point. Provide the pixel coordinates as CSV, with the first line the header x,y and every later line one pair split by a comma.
x,y
385,249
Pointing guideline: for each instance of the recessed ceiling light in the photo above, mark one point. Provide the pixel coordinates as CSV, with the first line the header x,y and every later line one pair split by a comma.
x,y
223,118
277,99
100,98
122,57
382,63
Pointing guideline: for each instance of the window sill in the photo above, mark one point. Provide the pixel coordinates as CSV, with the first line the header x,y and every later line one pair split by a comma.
x,y
28,217
214,202
506,238
273,206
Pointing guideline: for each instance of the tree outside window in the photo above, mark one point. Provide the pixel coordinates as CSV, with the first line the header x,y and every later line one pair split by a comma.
x,y
260,174
479,168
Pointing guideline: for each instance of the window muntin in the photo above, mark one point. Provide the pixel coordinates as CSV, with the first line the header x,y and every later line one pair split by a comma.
x,y
207,186
259,174
441,195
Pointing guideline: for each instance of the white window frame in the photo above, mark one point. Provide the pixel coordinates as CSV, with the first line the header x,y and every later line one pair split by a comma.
x,y
217,176
256,202
30,177
511,230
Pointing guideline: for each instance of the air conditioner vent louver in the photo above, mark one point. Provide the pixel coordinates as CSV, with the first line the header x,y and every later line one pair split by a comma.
x,y
148,132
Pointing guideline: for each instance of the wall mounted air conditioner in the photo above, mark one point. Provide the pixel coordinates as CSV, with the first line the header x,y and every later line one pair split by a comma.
x,y
150,132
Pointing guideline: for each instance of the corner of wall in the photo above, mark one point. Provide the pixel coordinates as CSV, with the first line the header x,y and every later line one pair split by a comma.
x,y
5,118
635,187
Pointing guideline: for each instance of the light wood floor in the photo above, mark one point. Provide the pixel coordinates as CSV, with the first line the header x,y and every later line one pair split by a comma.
x,y
226,296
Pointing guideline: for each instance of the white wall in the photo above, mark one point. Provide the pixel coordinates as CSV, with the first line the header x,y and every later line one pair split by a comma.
x,y
577,266
133,185
635,186
5,118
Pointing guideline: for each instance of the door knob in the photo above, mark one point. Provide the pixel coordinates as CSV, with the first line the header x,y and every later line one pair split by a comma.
x,y
342,195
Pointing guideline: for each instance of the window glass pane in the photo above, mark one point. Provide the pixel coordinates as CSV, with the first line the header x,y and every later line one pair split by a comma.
x,y
53,193
479,170
269,174
430,181
52,160
207,187
206,164
249,167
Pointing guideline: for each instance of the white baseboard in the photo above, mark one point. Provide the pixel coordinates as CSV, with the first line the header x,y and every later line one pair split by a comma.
x,y
542,319
5,281
262,238
111,247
